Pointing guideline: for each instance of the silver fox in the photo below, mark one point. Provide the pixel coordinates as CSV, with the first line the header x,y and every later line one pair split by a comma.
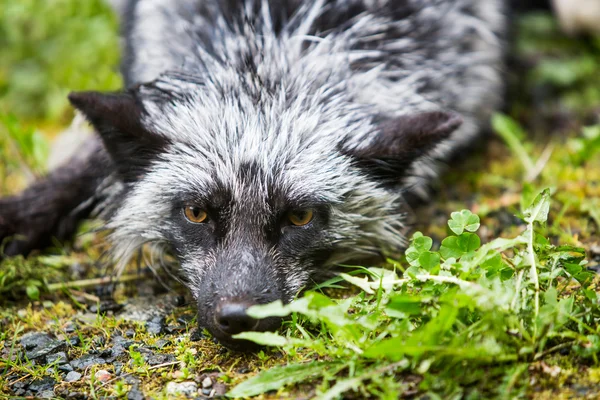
x,y
263,142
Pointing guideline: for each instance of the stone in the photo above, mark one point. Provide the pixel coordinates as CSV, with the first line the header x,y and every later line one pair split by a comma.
x,y
156,325
106,354
160,343
207,382
46,383
132,380
31,340
99,341
103,375
87,360
46,394
70,327
146,308
72,376
219,389
118,366
74,341
172,329
120,346
177,375
41,352
197,335
65,368
157,359
135,394
188,389
59,358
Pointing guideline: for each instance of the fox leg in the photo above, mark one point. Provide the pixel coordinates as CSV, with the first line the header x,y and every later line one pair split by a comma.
x,y
53,206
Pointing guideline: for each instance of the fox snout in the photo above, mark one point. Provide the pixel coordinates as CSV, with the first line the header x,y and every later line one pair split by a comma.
x,y
230,287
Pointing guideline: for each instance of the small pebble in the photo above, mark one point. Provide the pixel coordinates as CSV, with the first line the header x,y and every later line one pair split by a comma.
x,y
157,359
103,375
156,325
72,376
177,375
219,389
60,358
135,394
188,389
160,343
172,329
70,327
118,367
197,335
86,360
207,382
46,394
74,341
132,380
99,341
65,368
206,391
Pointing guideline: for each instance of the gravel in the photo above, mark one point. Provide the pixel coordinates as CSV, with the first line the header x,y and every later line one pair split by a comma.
x,y
72,376
31,340
188,389
87,360
44,384
156,325
60,358
113,354
40,346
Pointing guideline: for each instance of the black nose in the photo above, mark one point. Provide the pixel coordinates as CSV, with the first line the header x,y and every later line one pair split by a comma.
x,y
231,318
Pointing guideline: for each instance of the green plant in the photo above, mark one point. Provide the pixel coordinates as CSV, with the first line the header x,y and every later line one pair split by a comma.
x,y
456,313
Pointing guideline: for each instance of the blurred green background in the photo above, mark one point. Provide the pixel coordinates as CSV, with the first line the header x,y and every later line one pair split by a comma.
x,y
47,49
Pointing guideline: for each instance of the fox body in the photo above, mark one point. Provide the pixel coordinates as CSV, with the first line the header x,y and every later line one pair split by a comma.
x,y
262,142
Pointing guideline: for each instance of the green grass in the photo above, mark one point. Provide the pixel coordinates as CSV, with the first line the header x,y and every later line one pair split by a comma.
x,y
493,298
464,318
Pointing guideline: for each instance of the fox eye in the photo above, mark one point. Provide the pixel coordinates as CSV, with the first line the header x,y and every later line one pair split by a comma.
x,y
300,217
195,214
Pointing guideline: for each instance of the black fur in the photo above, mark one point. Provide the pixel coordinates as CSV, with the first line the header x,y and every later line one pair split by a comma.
x,y
401,141
117,118
52,207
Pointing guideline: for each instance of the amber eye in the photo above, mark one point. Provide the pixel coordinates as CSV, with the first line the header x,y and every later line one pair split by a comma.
x,y
300,217
195,214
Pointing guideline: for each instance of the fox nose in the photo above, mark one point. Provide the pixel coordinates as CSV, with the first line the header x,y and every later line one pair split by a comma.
x,y
231,318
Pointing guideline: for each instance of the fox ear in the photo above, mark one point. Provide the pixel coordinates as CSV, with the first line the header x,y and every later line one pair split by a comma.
x,y
117,118
401,141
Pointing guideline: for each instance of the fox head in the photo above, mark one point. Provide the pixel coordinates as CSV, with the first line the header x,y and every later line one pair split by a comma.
x,y
257,192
